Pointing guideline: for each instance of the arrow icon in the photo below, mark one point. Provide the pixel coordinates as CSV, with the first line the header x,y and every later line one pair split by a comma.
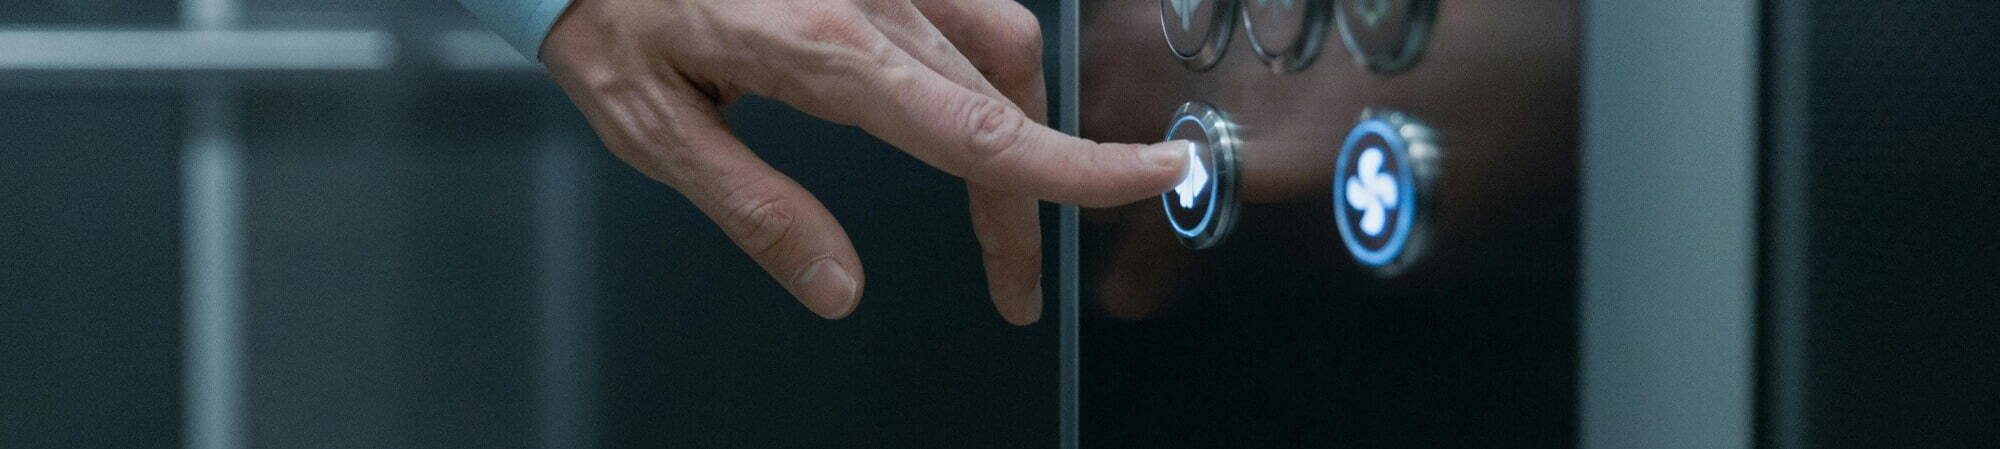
x,y
1195,179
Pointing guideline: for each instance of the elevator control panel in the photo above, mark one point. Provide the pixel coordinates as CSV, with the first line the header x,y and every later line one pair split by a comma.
x,y
1377,209
1373,245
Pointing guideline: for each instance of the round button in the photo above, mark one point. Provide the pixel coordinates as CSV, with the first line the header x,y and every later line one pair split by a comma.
x,y
1198,30
1386,36
1381,190
1286,34
1202,208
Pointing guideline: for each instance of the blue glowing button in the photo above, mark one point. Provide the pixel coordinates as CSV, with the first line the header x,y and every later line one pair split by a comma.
x,y
1202,208
1381,190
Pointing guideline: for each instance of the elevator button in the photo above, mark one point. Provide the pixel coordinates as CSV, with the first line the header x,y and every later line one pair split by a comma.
x,y
1386,36
1286,34
1382,190
1198,31
1202,208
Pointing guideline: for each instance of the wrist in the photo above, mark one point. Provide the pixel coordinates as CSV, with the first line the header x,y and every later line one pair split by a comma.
x,y
573,36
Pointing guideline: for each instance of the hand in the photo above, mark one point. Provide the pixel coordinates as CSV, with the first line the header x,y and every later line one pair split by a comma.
x,y
939,79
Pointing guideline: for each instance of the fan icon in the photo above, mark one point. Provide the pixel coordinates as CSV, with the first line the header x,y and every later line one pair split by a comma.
x,y
1372,192
1380,184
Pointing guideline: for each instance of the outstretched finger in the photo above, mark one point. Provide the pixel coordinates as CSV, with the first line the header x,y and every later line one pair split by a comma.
x,y
977,136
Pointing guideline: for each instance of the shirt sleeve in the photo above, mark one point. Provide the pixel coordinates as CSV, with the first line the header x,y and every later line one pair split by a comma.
x,y
523,23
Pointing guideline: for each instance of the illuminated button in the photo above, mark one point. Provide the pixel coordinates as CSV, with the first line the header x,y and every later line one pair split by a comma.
x,y
1202,208
1382,190
1286,34
1198,30
1386,36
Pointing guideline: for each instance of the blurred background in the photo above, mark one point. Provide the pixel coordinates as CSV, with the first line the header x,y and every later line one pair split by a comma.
x,y
369,223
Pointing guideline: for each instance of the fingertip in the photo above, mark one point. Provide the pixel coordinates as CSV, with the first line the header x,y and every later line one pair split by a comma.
x,y
1026,308
1162,166
829,289
1017,297
1169,156
1145,171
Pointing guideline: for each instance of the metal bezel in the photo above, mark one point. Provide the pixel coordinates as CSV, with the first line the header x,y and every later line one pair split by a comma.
x,y
1213,46
1421,154
1220,219
1420,14
1304,49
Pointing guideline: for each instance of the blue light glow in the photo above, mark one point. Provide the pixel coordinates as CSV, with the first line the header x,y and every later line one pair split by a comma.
x,y
1405,210
1166,203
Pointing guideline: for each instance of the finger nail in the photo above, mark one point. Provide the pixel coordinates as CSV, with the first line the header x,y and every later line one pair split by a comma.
x,y
828,289
1170,154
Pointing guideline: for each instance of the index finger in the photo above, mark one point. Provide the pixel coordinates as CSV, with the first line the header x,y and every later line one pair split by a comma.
x,y
988,140
991,142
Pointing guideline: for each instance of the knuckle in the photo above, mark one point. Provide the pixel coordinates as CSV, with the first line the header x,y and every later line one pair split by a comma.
x,y
1012,52
1020,30
602,83
829,43
761,222
995,129
834,27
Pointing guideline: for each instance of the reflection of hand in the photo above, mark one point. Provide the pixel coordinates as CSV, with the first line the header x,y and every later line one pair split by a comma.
x,y
932,77
1141,268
